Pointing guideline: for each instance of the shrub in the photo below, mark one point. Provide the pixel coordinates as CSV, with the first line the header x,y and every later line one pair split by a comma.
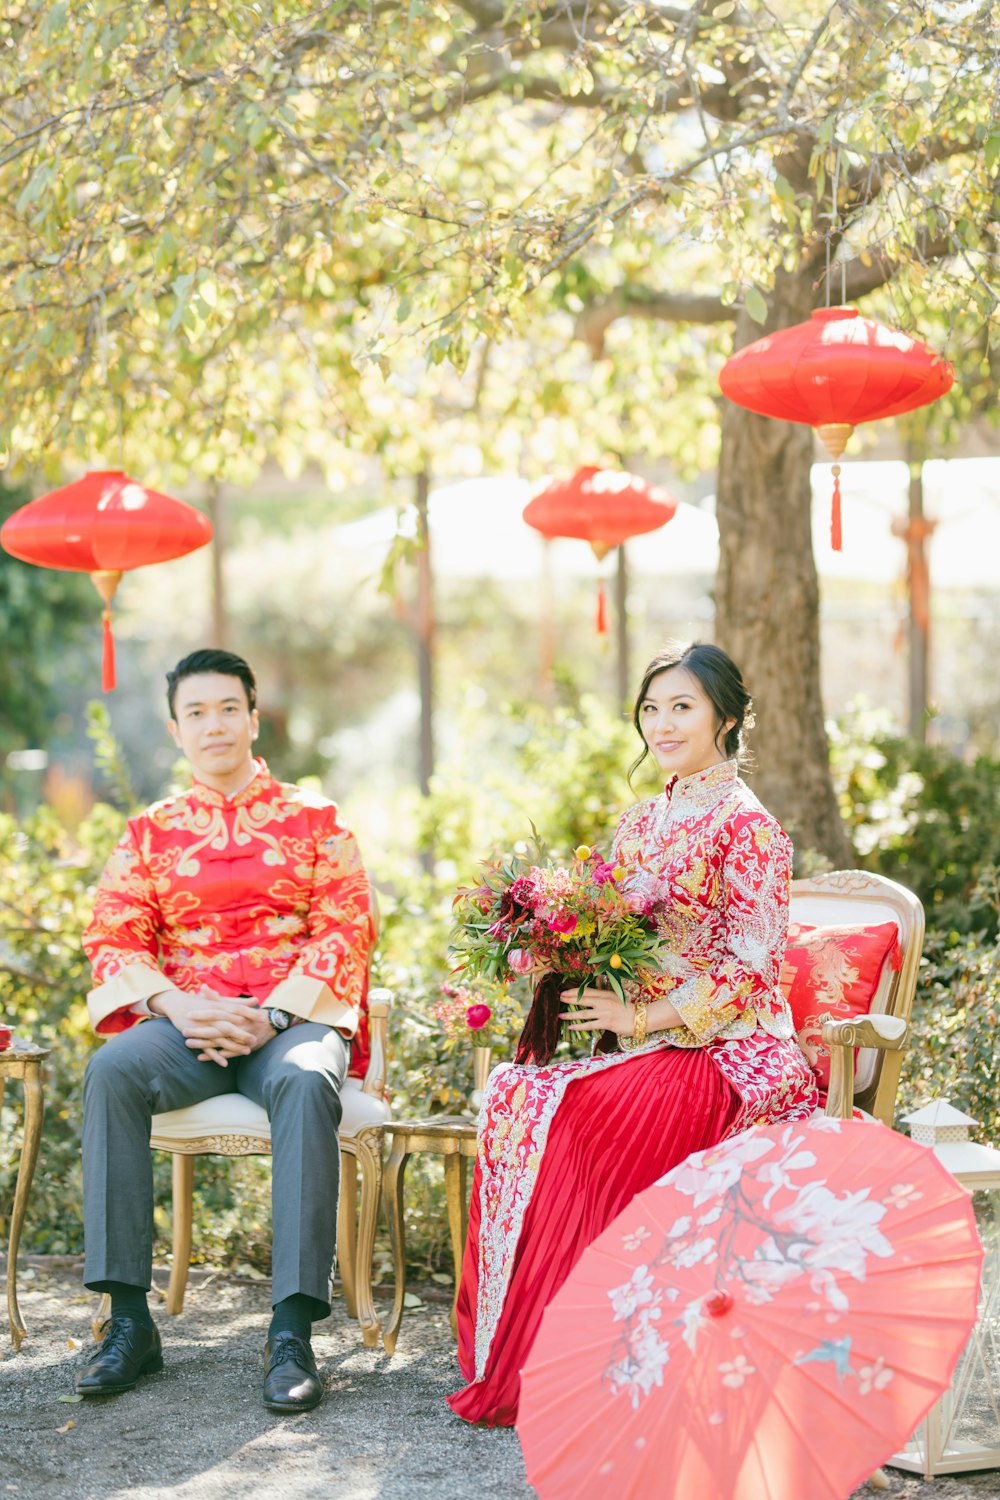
x,y
952,1052
922,817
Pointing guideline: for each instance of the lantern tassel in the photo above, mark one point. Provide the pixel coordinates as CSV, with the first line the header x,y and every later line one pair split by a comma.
x,y
836,536
602,609
108,655
105,581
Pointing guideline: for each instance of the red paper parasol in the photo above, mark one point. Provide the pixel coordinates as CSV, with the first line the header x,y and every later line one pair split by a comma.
x,y
769,1321
603,507
104,524
835,371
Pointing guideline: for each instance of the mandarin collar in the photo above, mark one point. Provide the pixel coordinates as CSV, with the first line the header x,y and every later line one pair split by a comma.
x,y
261,779
703,788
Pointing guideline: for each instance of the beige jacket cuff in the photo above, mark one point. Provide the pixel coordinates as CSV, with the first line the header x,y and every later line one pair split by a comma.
x,y
313,1000
132,986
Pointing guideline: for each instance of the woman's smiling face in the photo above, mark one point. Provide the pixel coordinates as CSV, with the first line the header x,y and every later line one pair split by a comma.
x,y
680,724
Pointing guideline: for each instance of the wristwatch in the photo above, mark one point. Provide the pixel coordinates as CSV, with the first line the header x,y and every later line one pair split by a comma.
x,y
279,1019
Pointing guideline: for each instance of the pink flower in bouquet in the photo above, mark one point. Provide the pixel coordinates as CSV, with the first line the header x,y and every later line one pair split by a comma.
x,y
562,921
477,1016
603,872
523,891
520,962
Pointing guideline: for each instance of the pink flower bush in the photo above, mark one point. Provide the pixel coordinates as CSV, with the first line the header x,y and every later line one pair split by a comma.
x,y
461,1011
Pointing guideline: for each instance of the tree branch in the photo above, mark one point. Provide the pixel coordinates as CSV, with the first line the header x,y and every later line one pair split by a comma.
x,y
637,302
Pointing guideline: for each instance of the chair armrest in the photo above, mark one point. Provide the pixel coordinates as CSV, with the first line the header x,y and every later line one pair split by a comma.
x,y
887,1033
379,1006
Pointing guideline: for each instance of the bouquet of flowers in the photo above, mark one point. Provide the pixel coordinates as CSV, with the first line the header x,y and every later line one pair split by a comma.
x,y
562,925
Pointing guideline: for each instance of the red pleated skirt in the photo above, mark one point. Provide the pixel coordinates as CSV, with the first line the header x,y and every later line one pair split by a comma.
x,y
613,1134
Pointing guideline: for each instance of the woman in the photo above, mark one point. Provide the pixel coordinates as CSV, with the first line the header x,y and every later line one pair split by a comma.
x,y
705,1050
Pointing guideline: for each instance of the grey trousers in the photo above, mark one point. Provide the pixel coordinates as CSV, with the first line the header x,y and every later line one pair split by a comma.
x,y
296,1077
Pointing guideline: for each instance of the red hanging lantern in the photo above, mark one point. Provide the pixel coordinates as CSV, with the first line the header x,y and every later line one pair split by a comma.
x,y
603,507
835,371
104,524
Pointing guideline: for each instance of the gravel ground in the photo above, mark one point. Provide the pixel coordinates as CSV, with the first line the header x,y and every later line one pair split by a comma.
x,y
198,1431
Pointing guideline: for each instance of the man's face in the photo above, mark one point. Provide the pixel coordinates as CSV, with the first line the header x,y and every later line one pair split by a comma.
x,y
215,728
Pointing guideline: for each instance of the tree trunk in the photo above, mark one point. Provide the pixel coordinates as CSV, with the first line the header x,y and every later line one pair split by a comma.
x,y
918,531
767,600
215,505
623,674
425,634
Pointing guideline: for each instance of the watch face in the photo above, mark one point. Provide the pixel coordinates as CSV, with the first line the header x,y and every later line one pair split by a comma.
x,y
280,1019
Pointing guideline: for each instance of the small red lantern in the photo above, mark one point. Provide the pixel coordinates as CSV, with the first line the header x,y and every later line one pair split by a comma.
x,y
835,371
102,525
603,507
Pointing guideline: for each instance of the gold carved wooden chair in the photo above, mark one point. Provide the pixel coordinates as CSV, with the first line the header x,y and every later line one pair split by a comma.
x,y
866,1053
232,1125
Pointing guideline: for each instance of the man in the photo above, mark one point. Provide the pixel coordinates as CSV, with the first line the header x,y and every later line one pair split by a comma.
x,y
233,922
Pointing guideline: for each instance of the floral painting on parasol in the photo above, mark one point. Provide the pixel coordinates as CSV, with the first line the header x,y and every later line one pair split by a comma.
x,y
770,1320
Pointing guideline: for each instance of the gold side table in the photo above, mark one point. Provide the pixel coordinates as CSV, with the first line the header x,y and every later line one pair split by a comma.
x,y
23,1063
454,1138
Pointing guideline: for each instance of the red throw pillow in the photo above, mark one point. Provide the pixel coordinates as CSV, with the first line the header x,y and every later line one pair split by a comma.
x,y
835,971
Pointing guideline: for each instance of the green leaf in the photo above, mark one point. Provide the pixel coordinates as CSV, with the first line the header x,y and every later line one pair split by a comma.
x,y
756,305
70,1400
55,21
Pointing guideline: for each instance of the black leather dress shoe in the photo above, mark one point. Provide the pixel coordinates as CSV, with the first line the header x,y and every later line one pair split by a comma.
x,y
129,1351
291,1379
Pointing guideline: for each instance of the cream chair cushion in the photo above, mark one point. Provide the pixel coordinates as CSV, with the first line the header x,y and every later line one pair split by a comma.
x,y
234,1114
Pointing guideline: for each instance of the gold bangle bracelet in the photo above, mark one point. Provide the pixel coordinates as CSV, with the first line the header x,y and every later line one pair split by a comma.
x,y
639,1029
